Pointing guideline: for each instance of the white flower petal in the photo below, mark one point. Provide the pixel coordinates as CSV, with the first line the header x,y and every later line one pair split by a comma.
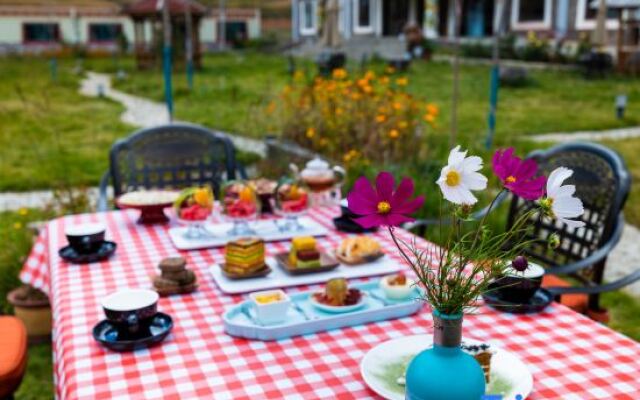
x,y
469,179
472,164
474,181
456,157
556,177
572,224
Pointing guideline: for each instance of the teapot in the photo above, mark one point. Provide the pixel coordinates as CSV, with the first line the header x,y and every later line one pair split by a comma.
x,y
320,177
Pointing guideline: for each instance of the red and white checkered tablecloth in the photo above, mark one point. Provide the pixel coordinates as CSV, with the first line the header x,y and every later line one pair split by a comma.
x,y
570,356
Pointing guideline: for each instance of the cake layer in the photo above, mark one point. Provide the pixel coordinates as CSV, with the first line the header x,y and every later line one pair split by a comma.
x,y
244,256
242,270
308,264
307,255
245,263
244,243
304,243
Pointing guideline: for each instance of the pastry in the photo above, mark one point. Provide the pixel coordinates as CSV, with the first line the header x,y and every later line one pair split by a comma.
x,y
244,256
482,353
337,293
174,277
359,249
303,253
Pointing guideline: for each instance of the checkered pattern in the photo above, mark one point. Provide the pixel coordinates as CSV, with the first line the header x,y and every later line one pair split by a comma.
x,y
570,356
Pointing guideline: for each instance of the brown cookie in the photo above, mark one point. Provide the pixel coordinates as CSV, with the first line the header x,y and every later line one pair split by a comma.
x,y
172,264
161,283
176,276
189,279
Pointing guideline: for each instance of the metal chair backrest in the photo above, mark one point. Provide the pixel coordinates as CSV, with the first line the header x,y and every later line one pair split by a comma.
x,y
602,183
172,156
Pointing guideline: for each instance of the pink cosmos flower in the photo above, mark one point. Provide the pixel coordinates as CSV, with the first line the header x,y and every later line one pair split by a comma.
x,y
517,175
386,205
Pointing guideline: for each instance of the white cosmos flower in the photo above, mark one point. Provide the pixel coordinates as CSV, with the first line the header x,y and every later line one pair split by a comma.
x,y
560,200
460,176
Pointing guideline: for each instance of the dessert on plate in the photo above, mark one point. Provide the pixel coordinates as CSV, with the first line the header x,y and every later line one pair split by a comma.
x,y
244,256
303,253
482,353
397,286
148,197
194,204
338,294
174,277
291,198
240,200
358,250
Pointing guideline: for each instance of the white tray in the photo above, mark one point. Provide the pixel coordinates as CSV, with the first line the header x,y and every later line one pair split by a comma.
x,y
278,278
265,229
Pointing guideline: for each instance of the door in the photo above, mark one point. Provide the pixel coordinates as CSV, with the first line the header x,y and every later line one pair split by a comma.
x,y
395,14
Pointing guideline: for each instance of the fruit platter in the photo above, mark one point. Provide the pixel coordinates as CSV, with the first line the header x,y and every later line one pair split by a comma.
x,y
298,314
291,200
193,207
151,204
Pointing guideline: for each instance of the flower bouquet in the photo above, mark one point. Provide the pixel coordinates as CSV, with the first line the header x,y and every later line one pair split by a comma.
x,y
454,276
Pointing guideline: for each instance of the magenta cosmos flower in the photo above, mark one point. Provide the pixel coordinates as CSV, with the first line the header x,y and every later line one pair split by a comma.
x,y
517,175
385,205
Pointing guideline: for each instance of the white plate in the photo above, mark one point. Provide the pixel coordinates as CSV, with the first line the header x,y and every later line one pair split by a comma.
x,y
505,365
265,229
338,309
278,278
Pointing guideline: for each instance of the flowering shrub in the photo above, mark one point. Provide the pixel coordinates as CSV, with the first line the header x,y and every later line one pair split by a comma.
x,y
370,117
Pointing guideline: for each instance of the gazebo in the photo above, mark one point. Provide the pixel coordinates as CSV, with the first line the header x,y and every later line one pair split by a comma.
x,y
148,30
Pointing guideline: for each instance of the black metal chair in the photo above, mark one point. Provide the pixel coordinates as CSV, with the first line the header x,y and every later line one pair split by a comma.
x,y
602,182
170,156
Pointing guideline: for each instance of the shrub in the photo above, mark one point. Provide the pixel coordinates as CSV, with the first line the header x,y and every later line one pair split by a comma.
x,y
369,117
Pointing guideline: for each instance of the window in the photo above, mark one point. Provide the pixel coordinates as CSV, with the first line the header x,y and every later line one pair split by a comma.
x,y
531,14
41,32
363,16
586,16
308,17
104,33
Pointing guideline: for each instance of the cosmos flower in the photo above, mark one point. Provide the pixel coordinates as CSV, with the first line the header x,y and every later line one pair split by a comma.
x,y
460,176
385,205
560,202
517,175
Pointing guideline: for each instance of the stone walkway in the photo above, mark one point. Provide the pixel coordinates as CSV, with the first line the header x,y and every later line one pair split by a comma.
x,y
612,134
144,113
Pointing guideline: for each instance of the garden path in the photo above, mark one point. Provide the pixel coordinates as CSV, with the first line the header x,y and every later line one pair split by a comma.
x,y
144,113
611,134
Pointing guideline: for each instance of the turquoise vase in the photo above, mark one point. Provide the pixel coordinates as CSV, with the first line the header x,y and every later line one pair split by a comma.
x,y
445,372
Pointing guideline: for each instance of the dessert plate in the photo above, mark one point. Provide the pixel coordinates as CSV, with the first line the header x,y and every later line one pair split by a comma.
x,y
327,263
264,271
338,309
384,364
303,318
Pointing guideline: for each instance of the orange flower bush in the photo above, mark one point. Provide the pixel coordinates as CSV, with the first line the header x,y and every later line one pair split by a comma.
x,y
369,117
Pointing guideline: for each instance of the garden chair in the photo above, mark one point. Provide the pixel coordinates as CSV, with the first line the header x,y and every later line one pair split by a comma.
x,y
13,355
170,156
602,182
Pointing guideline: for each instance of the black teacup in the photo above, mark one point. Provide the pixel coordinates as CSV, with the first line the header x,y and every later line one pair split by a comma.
x,y
519,287
85,238
131,310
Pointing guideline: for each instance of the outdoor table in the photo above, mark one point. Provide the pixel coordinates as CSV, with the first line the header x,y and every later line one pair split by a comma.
x,y
569,355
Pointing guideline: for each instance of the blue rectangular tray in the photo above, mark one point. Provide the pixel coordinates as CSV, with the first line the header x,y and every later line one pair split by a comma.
x,y
237,319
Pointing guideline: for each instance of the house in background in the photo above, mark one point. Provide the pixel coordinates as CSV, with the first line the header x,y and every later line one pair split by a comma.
x,y
379,19
34,26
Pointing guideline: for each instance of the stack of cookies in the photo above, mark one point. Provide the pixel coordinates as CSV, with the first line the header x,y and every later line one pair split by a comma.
x,y
174,277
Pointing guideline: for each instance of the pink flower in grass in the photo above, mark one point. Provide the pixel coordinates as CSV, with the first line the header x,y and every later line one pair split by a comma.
x,y
517,175
385,205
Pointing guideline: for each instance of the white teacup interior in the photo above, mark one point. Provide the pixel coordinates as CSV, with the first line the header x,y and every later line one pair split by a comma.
x,y
129,299
532,271
85,229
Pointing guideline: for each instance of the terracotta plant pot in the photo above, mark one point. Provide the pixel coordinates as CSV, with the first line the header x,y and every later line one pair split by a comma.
x,y
34,311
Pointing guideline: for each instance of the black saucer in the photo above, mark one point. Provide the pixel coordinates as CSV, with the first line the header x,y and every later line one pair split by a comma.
x,y
538,302
106,249
107,334
346,224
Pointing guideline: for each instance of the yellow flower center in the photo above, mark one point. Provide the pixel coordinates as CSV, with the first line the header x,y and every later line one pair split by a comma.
x,y
453,178
510,179
384,207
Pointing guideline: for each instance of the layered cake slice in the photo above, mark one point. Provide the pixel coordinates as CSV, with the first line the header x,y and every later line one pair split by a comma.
x,y
303,253
244,256
482,353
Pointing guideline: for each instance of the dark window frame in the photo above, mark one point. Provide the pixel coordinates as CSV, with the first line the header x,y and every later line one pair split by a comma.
x,y
94,40
54,40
